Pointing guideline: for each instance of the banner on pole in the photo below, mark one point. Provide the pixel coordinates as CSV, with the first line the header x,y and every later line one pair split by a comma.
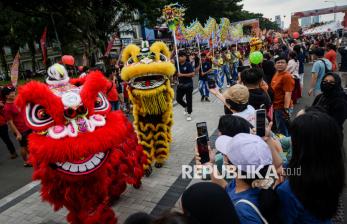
x,y
15,70
110,45
44,46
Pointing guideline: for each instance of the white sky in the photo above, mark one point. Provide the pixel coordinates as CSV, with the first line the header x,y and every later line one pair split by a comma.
x,y
271,8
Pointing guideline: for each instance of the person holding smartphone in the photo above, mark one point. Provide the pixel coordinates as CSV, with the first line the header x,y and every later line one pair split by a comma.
x,y
254,199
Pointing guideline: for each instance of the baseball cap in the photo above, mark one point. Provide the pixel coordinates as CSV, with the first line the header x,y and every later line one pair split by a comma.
x,y
244,149
237,93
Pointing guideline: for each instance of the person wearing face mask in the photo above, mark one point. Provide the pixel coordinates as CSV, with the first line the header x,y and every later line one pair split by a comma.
x,y
236,103
333,99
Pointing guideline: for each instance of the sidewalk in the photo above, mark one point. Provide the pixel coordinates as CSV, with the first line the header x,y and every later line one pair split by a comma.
x,y
158,193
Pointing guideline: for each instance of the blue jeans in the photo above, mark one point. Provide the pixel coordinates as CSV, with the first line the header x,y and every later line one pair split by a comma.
x,y
226,72
234,72
203,88
218,77
281,122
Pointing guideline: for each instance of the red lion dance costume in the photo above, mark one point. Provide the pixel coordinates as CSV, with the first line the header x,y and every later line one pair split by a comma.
x,y
83,154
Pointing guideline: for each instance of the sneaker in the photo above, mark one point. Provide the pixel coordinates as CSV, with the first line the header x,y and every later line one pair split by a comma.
x,y
27,164
202,98
14,156
185,112
228,85
207,99
189,117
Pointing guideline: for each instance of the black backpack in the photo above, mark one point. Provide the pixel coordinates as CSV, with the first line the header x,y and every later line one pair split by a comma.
x,y
326,70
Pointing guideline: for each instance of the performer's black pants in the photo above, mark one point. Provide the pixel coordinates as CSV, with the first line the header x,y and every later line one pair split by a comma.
x,y
188,92
6,138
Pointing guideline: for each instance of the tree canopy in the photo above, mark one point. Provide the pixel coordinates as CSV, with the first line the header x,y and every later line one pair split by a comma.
x,y
90,23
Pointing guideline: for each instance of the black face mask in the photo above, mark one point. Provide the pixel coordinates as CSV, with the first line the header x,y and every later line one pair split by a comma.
x,y
227,110
327,87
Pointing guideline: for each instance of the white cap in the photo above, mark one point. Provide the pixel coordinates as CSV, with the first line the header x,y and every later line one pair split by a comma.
x,y
245,149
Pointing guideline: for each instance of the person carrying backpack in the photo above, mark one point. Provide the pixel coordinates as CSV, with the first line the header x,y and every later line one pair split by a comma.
x,y
320,67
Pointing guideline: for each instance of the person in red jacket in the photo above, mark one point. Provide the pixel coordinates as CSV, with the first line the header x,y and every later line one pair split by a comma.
x,y
16,122
111,92
331,55
4,133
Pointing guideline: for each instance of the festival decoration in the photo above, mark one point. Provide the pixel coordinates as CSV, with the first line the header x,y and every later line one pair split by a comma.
x,y
225,29
148,71
276,40
296,35
173,15
68,60
83,154
255,44
256,57
15,70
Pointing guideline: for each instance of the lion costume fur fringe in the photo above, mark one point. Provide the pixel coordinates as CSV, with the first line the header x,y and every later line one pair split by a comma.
x,y
152,108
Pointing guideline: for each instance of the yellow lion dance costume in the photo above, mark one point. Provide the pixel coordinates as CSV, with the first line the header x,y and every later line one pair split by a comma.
x,y
255,44
148,71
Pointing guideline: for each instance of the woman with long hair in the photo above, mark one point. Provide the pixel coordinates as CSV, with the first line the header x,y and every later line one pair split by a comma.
x,y
293,68
301,58
311,193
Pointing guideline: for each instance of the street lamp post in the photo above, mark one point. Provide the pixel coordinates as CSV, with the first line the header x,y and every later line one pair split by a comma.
x,y
334,8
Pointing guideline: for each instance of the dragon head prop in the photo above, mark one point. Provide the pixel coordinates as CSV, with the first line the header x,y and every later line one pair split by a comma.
x,y
83,153
255,44
148,70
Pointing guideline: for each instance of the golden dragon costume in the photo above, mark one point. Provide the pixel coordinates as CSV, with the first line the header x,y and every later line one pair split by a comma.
x,y
148,71
255,44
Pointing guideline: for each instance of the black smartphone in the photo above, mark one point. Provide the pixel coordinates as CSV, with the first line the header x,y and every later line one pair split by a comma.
x,y
201,128
211,83
260,122
202,145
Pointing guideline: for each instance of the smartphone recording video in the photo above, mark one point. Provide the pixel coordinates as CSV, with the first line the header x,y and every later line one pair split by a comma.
x,y
201,128
260,122
202,144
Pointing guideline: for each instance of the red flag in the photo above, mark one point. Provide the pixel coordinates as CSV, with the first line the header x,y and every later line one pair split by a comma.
x,y
43,45
14,70
110,45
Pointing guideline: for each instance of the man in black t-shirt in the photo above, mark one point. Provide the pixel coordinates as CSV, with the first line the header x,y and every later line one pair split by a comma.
x,y
203,77
185,76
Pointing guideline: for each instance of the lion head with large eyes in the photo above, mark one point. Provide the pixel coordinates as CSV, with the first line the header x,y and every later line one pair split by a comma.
x,y
83,154
148,71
